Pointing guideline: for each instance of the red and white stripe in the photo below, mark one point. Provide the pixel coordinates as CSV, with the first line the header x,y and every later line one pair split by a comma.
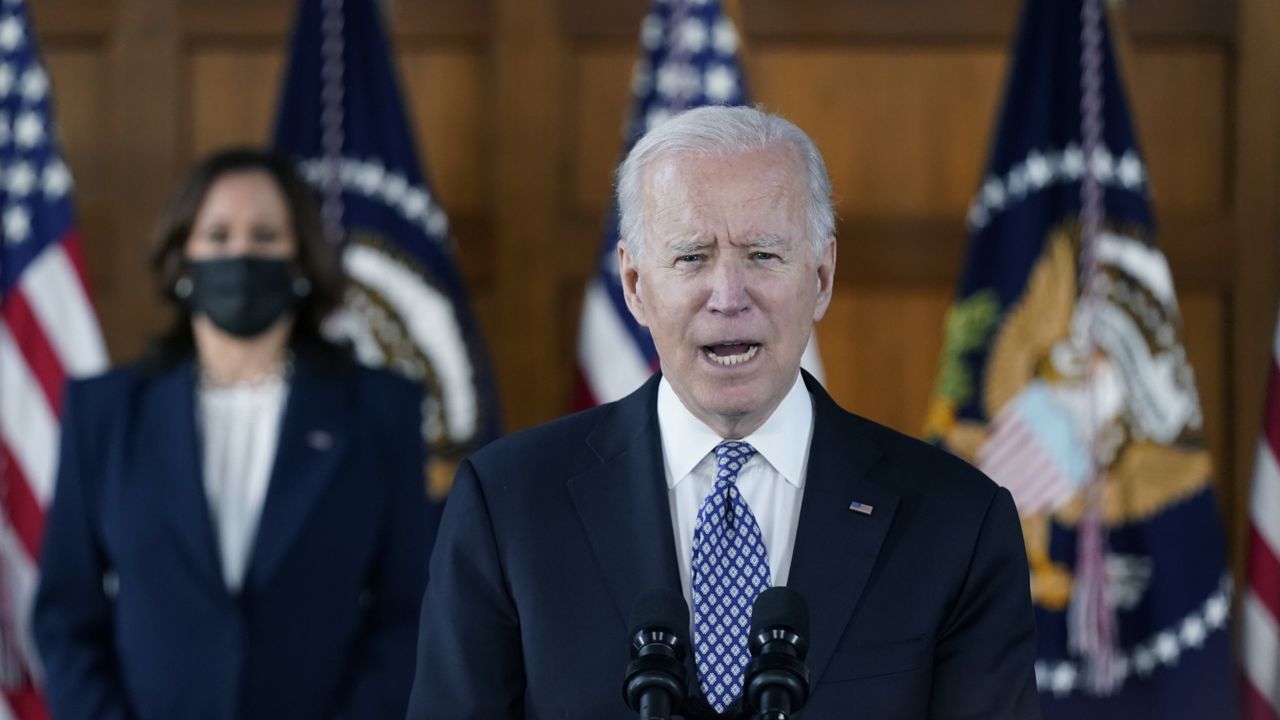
x,y
48,332
610,363
1013,457
1260,607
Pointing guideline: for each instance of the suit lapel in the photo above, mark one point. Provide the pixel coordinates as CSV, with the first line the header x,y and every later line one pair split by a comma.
x,y
313,439
623,504
836,548
171,456
624,509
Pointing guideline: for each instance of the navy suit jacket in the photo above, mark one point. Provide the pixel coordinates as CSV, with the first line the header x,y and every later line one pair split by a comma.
x,y
921,609
133,618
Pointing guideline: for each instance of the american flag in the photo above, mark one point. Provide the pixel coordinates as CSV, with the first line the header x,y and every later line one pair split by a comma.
x,y
689,57
48,332
1260,608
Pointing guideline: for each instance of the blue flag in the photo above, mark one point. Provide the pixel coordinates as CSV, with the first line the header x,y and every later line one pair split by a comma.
x,y
341,115
688,58
1060,367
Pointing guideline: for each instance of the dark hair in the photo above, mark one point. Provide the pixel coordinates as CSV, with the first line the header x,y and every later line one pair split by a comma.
x,y
317,259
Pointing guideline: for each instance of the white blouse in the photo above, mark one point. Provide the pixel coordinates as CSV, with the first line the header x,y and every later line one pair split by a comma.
x,y
239,428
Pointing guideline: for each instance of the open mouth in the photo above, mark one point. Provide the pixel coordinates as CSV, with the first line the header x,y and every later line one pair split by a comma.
x,y
730,353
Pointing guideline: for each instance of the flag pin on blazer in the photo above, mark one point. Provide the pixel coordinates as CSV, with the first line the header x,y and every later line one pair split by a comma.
x,y
863,508
319,440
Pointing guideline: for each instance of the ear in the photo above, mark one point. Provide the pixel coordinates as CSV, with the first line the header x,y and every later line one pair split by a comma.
x,y
629,273
826,279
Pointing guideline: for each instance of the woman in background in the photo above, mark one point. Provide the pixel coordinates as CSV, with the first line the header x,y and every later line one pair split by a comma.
x,y
240,528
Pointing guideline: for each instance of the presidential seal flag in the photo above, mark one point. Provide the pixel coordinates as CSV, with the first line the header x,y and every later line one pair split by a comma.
x,y
689,57
1064,377
48,332
341,115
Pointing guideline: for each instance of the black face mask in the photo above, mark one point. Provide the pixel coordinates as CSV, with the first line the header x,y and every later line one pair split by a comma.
x,y
243,295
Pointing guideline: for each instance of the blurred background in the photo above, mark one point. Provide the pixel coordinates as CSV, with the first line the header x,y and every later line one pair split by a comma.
x,y
518,107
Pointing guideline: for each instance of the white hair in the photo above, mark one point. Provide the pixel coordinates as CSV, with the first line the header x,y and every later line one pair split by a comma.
x,y
719,131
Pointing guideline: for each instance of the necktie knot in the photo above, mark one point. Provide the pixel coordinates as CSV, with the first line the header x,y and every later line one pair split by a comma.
x,y
731,457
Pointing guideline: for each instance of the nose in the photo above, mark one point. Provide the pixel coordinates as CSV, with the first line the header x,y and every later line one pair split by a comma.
x,y
239,244
728,292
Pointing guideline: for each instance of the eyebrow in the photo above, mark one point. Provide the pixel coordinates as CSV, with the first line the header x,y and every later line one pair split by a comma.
x,y
767,242
688,246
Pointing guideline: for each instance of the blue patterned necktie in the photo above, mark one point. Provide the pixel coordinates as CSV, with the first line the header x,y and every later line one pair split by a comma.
x,y
730,568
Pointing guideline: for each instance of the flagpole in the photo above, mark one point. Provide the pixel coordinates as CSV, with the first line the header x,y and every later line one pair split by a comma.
x,y
332,134
1091,619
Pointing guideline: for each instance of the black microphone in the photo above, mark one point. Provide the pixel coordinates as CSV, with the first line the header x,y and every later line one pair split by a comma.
x,y
777,680
656,681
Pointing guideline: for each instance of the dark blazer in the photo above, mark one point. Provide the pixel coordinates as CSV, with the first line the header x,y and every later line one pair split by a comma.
x,y
133,618
921,609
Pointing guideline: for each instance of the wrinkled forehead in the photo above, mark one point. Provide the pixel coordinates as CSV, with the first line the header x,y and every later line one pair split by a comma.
x,y
759,188
778,165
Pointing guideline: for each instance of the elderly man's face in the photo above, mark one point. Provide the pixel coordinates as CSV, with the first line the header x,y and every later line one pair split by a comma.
x,y
727,281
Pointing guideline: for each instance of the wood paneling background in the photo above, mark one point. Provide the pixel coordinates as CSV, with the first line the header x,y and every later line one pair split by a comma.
x,y
518,106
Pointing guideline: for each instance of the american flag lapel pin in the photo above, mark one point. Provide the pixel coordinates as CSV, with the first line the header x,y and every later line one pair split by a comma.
x,y
863,508
319,440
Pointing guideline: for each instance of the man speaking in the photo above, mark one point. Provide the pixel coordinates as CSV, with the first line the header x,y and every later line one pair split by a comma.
x,y
731,460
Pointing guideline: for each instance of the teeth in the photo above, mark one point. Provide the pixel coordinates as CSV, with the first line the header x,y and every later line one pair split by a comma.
x,y
728,360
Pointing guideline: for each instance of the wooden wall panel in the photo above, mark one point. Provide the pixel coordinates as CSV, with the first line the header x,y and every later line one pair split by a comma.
x,y
271,19
78,74
232,95
80,101
935,21
1179,97
142,128
1205,332
527,124
601,103
445,90
449,107
903,131
880,351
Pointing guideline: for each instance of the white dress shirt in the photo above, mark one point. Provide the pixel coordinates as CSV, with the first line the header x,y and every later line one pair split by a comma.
x,y
772,481
239,429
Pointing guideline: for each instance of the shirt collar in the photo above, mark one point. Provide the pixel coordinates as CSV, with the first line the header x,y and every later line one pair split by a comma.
x,y
783,439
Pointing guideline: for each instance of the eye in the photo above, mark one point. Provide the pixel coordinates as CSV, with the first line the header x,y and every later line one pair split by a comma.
x,y
217,234
265,236
689,258
762,255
